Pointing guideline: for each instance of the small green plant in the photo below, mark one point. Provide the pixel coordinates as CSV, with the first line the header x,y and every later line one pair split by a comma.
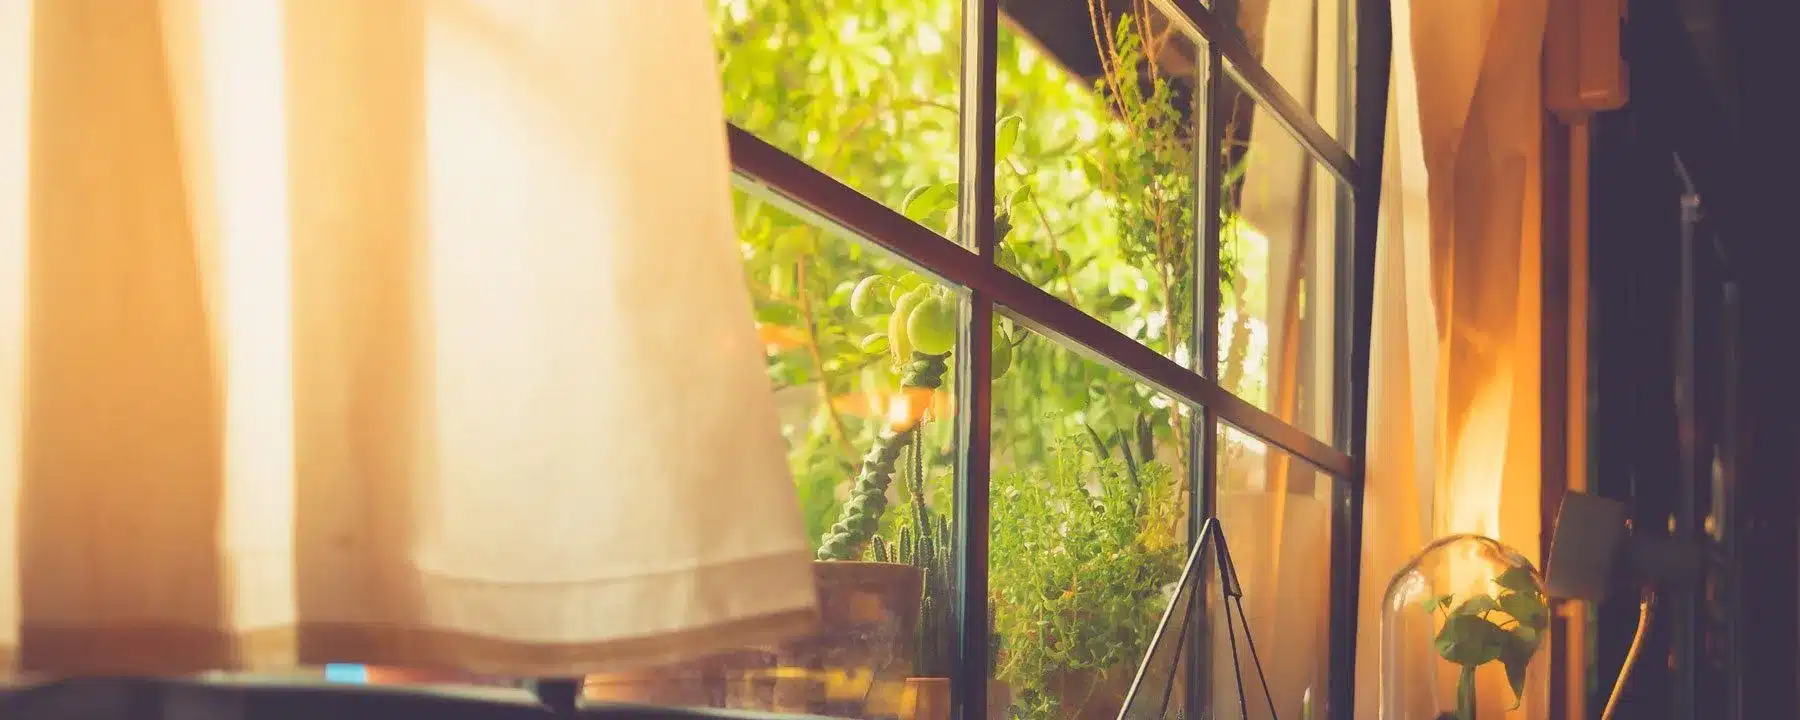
x,y
920,318
920,348
861,514
924,541
1505,626
1089,544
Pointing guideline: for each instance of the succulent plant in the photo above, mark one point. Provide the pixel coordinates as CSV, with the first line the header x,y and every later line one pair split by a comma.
x,y
861,515
924,541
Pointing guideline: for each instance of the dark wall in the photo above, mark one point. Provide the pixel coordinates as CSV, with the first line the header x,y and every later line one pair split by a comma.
x,y
1693,339
1634,248
1765,235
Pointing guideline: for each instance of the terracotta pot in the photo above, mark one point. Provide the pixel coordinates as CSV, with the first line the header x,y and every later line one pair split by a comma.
x,y
1090,695
862,654
927,698
867,610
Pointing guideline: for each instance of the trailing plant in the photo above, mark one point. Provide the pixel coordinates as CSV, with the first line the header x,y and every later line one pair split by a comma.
x,y
1089,545
1505,626
1149,167
924,541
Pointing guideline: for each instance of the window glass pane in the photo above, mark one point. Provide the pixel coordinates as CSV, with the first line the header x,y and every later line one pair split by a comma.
x,y
1276,511
864,90
1088,529
1097,163
871,449
1306,45
1278,257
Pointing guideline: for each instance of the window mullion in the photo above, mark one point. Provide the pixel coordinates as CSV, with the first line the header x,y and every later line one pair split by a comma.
x,y
975,389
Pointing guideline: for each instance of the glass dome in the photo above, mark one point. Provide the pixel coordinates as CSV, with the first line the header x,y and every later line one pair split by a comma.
x,y
1462,626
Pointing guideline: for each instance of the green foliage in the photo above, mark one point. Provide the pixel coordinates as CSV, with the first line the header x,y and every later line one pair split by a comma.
x,y
1090,545
1504,626
867,91
1150,168
1096,205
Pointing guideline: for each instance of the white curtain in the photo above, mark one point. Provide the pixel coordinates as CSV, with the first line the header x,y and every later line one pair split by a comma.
x,y
402,332
1454,420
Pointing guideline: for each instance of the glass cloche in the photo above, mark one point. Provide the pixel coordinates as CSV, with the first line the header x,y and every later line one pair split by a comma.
x,y
1463,626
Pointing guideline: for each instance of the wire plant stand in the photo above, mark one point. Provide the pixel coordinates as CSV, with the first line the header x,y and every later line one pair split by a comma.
x,y
1153,689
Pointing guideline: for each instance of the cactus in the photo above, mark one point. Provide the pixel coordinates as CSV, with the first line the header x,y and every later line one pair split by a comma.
x,y
925,542
862,513
933,552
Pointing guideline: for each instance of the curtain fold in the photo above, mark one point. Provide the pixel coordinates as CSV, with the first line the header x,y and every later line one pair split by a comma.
x,y
1454,410
406,333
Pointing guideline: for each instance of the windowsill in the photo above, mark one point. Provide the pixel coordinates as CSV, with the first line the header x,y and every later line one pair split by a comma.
x,y
252,698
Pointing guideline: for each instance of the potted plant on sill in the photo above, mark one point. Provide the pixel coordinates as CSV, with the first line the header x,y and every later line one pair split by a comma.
x,y
909,578
1091,544
924,542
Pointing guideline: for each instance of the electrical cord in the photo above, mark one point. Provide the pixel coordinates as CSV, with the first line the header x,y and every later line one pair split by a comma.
x,y
1631,655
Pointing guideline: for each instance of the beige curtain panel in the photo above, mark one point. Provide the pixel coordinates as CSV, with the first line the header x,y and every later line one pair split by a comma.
x,y
1454,426
408,332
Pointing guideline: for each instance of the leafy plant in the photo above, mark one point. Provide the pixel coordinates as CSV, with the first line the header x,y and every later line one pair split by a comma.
x,y
1149,167
1089,544
1505,626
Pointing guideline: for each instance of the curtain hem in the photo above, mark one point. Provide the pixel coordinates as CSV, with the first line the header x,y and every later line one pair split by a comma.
x,y
173,650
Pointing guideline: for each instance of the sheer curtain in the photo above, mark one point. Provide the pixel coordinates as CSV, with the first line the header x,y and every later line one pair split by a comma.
x,y
1284,295
1454,384
1454,410
409,332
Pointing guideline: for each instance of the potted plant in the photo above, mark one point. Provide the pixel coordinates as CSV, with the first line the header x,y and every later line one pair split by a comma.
x,y
1091,544
1462,624
925,542
908,579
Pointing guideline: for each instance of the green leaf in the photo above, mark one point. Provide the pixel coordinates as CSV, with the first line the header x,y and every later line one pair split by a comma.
x,y
1518,579
1006,134
779,314
875,343
1527,608
795,241
1008,259
1470,640
1433,604
1515,653
923,203
1091,170
1477,605
1016,199
1117,303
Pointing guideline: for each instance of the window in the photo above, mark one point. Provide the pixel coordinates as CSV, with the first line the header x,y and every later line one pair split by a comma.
x,y
1042,285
